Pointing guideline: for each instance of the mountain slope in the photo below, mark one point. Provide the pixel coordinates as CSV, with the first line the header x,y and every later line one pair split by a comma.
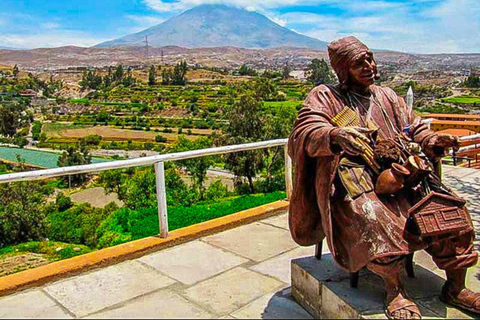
x,y
217,26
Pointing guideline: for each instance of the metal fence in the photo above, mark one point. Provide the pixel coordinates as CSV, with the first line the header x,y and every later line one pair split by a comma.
x,y
158,162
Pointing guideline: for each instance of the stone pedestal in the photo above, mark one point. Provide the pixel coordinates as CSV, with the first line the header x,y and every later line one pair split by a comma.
x,y
323,289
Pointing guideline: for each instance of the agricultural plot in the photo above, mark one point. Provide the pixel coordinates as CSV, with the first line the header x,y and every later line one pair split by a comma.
x,y
463,100
71,132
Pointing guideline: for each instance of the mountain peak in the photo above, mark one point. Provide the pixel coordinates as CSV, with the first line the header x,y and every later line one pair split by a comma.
x,y
218,25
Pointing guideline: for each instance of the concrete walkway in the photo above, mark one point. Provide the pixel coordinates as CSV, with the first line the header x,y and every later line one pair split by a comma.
x,y
239,273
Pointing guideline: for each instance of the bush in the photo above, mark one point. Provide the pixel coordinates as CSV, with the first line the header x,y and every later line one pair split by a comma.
x,y
22,215
160,138
216,191
77,224
63,203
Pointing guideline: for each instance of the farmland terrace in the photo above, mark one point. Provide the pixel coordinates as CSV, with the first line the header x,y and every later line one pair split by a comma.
x,y
241,273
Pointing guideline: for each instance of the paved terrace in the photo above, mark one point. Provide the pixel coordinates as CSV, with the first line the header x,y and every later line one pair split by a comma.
x,y
239,273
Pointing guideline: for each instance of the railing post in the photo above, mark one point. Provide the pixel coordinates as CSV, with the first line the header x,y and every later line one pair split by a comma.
x,y
288,173
161,199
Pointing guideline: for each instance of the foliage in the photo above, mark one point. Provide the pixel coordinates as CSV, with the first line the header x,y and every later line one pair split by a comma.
x,y
160,138
286,71
125,225
196,167
442,108
318,72
247,71
77,224
21,212
75,156
92,139
11,118
152,76
472,81
138,190
216,191
90,80
36,130
177,76
245,124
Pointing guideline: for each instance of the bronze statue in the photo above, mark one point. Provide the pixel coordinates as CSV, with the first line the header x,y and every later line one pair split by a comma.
x,y
343,145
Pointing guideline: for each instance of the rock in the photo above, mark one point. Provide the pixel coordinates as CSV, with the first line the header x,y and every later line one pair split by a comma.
x,y
59,249
76,249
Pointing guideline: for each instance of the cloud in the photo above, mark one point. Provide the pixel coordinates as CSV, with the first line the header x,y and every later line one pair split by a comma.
x,y
144,22
50,25
434,27
49,40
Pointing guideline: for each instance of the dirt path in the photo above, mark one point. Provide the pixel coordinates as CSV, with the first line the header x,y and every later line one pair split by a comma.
x,y
96,197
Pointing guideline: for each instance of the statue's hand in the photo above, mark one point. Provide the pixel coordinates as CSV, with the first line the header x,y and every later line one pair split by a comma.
x,y
438,145
347,137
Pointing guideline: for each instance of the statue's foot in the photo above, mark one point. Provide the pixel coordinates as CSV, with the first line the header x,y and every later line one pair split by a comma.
x,y
464,299
402,308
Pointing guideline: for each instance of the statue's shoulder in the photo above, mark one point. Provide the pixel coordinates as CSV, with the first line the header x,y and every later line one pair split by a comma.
x,y
326,89
386,91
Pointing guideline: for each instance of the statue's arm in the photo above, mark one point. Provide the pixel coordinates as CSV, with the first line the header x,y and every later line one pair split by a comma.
x,y
313,128
433,145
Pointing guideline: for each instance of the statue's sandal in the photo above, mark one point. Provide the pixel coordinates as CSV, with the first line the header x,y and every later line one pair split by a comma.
x,y
466,299
401,303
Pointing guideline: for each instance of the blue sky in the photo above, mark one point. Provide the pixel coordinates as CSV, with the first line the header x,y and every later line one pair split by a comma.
x,y
423,26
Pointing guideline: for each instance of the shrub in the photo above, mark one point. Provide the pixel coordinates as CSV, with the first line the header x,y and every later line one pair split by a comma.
x,y
77,224
22,212
160,138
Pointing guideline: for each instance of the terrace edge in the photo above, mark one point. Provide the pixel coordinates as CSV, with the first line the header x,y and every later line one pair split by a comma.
x,y
134,249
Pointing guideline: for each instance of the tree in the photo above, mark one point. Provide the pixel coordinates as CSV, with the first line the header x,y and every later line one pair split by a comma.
x,y
21,212
286,71
318,72
472,81
90,80
11,118
151,76
177,76
75,156
15,71
247,71
118,74
245,124
196,167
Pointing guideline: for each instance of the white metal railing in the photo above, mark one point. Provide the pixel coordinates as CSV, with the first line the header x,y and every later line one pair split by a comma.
x,y
158,162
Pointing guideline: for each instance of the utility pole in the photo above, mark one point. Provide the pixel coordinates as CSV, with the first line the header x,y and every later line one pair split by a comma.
x,y
146,47
163,62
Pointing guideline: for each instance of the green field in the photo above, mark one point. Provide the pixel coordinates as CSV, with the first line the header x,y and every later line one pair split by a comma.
x,y
276,104
463,100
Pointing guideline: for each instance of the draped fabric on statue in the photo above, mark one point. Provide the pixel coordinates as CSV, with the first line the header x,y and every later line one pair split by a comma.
x,y
360,229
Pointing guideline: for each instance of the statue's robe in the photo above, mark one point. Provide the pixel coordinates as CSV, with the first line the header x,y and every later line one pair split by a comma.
x,y
358,228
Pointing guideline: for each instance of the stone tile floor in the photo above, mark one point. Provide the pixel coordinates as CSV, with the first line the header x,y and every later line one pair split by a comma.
x,y
239,273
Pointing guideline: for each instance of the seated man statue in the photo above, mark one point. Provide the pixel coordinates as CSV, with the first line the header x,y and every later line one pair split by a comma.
x,y
334,194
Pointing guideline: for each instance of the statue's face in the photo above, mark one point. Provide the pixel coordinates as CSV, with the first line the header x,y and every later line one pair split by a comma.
x,y
362,71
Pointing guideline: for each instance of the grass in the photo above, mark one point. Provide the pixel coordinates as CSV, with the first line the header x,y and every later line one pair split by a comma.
x,y
276,104
125,225
51,249
463,100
